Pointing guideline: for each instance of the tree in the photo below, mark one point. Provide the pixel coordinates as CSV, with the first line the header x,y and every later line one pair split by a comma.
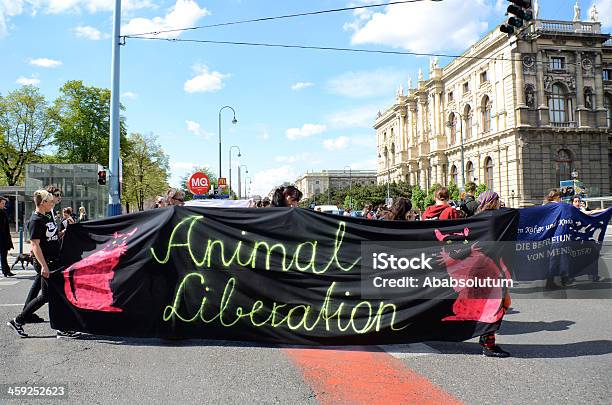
x,y
26,128
82,117
145,172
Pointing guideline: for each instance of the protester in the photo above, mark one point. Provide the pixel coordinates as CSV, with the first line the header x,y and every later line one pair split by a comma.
x,y
175,197
6,241
67,218
288,196
82,215
441,209
578,203
347,212
554,196
399,210
265,203
488,202
45,246
160,202
469,203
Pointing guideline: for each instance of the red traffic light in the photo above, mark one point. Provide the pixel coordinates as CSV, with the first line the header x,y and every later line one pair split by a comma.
x,y
102,177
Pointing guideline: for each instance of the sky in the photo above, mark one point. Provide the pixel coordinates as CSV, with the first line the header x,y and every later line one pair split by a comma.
x,y
297,110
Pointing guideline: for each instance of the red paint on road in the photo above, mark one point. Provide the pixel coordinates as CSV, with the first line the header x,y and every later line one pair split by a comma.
x,y
357,377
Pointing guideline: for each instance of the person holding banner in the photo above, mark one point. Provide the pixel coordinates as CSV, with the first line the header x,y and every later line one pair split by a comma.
x,y
488,202
554,196
45,244
288,196
441,209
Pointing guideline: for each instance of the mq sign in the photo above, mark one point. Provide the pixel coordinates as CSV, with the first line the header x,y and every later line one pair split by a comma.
x,y
198,183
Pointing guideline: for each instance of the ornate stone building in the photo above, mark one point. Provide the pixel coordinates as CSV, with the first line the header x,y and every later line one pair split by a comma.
x,y
318,183
518,114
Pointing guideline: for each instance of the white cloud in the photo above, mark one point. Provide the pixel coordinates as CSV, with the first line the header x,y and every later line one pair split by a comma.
x,y
8,9
301,85
205,80
264,181
129,95
264,136
305,131
90,33
360,117
293,158
196,129
604,8
341,142
366,83
27,81
182,165
424,26
45,62
185,13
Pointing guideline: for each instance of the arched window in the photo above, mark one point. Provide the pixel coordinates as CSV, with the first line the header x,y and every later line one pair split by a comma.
x,y
469,171
454,174
558,104
452,123
486,114
489,173
563,166
608,107
392,154
467,115
386,157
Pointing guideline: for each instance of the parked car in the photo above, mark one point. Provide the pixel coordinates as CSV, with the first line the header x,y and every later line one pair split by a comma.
x,y
329,209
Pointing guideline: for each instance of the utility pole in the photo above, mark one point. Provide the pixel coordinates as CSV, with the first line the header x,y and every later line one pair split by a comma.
x,y
114,199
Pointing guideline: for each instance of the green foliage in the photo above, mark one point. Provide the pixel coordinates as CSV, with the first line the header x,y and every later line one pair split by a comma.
x,y
145,172
26,128
419,197
82,117
361,195
480,189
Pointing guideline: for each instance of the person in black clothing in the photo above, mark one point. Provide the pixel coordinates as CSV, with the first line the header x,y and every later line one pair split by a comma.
x,y
288,196
6,241
469,205
45,246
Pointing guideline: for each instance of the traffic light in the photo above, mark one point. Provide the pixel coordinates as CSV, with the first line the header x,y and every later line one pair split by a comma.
x,y
520,11
102,177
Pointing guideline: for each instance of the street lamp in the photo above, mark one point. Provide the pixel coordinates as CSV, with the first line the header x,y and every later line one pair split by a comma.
x,y
230,166
239,183
350,186
234,121
450,124
246,190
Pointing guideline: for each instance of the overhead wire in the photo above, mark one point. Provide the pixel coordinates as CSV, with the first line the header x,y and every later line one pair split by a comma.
x,y
338,49
279,17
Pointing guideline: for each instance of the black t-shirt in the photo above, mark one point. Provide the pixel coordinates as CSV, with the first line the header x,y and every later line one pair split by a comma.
x,y
43,228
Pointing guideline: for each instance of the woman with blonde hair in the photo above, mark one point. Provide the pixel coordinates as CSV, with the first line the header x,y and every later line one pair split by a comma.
x,y
82,215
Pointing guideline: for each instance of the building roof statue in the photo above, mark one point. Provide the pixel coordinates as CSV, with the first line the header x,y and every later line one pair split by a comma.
x,y
420,74
536,9
593,14
409,83
577,11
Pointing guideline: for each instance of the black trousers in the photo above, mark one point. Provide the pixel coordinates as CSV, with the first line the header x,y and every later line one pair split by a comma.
x,y
34,304
4,261
35,288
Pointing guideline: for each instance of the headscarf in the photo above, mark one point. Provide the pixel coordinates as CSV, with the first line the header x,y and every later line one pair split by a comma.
x,y
486,198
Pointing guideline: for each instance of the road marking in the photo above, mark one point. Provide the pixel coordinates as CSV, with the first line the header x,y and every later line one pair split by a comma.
x,y
364,377
409,350
8,282
11,305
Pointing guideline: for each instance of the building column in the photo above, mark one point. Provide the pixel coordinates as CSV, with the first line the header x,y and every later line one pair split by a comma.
x,y
600,111
520,90
581,111
542,101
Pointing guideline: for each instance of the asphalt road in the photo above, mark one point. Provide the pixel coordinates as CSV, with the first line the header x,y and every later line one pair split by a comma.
x,y
562,354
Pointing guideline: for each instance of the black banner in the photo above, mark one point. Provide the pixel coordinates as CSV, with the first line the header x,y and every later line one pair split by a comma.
x,y
282,275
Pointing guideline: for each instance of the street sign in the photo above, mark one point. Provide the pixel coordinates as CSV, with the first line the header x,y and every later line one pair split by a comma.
x,y
198,183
